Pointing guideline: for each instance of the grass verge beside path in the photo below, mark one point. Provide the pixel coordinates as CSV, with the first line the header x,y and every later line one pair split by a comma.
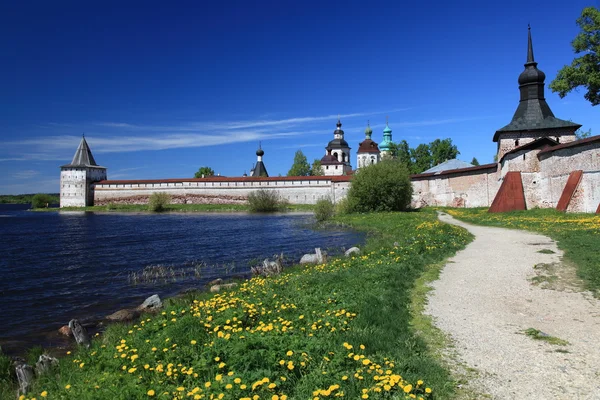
x,y
341,329
578,235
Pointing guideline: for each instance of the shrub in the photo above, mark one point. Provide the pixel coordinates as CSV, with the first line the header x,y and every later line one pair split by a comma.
x,y
384,186
42,200
158,201
324,210
266,201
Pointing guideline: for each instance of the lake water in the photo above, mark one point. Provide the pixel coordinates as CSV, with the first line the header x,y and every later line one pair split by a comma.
x,y
58,266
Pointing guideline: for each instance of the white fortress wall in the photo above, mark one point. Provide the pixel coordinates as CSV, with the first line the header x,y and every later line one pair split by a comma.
x,y
556,166
297,191
467,187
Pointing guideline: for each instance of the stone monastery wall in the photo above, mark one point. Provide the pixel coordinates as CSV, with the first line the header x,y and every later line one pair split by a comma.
x,y
466,187
307,190
556,166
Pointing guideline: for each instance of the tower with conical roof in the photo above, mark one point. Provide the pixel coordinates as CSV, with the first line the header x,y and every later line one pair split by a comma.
x,y
77,178
386,144
259,169
533,118
368,152
337,154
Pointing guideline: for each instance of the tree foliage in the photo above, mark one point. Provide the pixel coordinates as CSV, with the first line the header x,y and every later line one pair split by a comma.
x,y
300,167
204,172
581,134
584,70
425,155
475,162
42,200
316,169
442,150
384,186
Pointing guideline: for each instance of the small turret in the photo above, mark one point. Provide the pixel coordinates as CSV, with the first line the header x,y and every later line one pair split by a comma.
x,y
259,169
386,143
368,152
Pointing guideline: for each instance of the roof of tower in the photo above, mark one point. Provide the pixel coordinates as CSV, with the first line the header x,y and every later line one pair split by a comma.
x,y
259,170
83,156
533,113
387,128
338,143
368,131
329,159
260,152
368,146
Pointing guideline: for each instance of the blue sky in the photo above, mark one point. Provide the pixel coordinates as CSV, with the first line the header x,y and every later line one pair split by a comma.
x,y
160,90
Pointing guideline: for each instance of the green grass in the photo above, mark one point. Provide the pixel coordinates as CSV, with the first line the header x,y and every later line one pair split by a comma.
x,y
578,235
353,325
177,208
539,335
24,198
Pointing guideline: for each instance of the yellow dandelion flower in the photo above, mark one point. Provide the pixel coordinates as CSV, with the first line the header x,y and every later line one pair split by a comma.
x,y
150,392
44,394
289,353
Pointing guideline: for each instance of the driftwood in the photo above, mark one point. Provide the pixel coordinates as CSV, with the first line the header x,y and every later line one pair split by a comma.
x,y
45,364
24,377
80,333
268,267
318,258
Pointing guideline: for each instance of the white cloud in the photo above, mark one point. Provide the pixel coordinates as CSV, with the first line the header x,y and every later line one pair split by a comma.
x,y
119,137
25,174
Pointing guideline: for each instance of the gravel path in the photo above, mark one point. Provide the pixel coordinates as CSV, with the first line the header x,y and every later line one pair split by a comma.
x,y
485,301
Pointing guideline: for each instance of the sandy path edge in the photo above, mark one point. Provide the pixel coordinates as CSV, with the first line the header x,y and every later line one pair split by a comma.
x,y
483,301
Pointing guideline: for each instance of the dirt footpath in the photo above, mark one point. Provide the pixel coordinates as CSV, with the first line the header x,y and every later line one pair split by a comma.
x,y
490,293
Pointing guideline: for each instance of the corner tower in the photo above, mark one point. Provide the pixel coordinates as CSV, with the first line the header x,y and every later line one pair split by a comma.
x,y
76,178
368,152
337,154
533,118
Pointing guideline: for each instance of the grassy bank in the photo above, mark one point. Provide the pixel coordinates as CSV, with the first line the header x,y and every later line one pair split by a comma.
x,y
578,235
175,208
25,198
342,329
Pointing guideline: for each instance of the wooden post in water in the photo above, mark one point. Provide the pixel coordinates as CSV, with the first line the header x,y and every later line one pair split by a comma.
x,y
81,336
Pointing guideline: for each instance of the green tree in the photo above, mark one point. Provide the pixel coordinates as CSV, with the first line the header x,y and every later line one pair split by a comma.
x,y
442,150
300,167
384,186
421,158
584,70
204,172
316,169
401,151
474,162
581,134
42,200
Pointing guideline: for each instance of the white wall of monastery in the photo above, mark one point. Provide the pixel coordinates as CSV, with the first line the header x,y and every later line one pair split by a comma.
x,y
301,191
555,169
511,140
463,189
